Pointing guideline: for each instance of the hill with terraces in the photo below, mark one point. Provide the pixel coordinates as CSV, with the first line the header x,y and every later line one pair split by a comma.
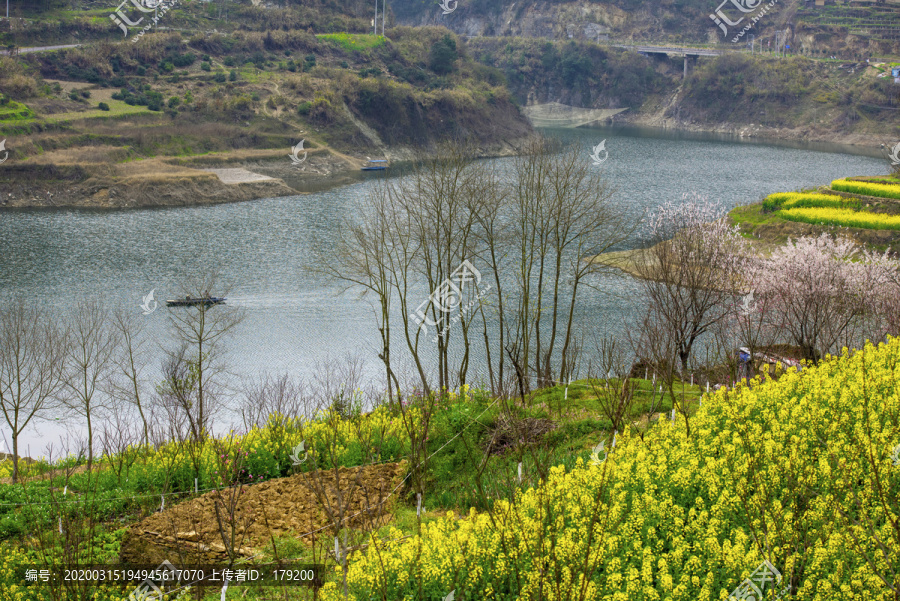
x,y
867,209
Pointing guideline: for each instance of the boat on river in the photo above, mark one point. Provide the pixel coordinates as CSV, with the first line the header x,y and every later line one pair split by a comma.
x,y
188,301
375,165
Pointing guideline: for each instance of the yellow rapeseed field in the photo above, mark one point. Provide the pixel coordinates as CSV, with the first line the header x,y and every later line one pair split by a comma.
x,y
799,472
867,188
843,218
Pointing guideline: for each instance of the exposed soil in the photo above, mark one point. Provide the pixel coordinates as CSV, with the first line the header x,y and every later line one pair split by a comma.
x,y
200,530
511,431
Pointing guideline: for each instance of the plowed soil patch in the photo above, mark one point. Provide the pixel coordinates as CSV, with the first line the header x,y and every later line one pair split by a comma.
x,y
204,529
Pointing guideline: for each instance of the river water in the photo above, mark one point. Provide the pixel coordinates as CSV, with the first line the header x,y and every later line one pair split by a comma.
x,y
295,318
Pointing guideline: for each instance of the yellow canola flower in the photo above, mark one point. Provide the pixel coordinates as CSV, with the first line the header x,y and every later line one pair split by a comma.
x,y
763,476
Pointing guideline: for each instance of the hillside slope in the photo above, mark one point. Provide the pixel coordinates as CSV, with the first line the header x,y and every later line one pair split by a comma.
x,y
249,97
801,473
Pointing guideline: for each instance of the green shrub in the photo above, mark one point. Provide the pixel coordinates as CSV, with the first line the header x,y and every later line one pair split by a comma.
x,y
232,76
373,71
443,55
103,106
205,67
354,41
183,60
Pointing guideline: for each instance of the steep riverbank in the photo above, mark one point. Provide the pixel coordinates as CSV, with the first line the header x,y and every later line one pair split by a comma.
x,y
184,181
756,132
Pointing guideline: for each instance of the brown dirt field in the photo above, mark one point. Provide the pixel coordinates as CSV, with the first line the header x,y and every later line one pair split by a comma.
x,y
190,531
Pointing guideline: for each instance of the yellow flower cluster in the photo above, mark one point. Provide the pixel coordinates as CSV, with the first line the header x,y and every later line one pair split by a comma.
x,y
867,188
11,584
843,217
790,200
799,472
270,446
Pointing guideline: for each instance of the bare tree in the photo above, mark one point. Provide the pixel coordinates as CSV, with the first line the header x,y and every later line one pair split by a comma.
x,y
193,368
657,345
176,395
32,367
119,439
452,217
339,382
127,384
339,490
369,253
416,230
436,202
89,363
270,396
611,383
562,213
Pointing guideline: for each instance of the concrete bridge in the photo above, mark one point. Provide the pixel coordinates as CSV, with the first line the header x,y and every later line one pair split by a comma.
x,y
683,51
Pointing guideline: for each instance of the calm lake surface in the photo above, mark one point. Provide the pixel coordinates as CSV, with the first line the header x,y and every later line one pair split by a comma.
x,y
294,318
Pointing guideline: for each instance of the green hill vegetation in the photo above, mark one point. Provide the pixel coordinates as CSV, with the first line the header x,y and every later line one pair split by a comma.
x,y
346,94
576,73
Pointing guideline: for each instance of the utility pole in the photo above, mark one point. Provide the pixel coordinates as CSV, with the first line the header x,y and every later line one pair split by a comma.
x,y
383,14
375,22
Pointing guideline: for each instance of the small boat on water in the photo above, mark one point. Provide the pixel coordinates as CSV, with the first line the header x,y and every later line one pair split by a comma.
x,y
375,165
187,301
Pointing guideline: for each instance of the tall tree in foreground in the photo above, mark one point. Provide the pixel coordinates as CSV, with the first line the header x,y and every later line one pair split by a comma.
x,y
463,230
561,213
32,368
127,384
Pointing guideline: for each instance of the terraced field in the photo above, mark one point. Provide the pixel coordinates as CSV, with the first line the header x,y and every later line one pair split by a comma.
x,y
866,208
